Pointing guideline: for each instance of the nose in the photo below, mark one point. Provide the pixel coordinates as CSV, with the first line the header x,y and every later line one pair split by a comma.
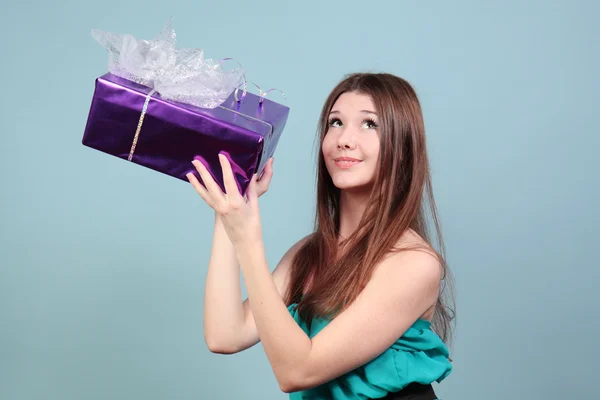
x,y
346,140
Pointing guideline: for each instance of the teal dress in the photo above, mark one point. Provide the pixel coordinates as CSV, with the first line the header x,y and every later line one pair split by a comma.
x,y
417,356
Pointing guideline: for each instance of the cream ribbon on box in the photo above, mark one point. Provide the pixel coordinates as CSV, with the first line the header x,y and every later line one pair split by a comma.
x,y
139,126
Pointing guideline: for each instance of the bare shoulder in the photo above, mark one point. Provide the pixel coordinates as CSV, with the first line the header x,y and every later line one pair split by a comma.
x,y
416,261
411,239
416,248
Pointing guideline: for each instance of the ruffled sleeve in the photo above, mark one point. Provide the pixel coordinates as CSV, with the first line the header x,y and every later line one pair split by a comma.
x,y
418,356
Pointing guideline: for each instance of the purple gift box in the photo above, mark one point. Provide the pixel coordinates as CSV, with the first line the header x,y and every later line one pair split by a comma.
x,y
171,134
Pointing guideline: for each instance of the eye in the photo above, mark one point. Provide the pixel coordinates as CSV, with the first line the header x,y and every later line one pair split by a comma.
x,y
370,124
334,122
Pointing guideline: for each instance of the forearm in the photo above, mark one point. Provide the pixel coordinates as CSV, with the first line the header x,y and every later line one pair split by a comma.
x,y
285,343
223,312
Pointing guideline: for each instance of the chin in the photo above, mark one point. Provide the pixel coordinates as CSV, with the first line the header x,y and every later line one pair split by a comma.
x,y
352,185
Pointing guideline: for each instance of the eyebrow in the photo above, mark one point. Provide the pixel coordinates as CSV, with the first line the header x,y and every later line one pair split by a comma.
x,y
362,111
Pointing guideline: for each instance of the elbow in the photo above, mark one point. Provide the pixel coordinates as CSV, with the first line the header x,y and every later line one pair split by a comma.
x,y
219,346
292,383
288,387
220,349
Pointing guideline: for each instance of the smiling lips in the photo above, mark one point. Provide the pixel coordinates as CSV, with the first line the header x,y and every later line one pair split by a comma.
x,y
346,162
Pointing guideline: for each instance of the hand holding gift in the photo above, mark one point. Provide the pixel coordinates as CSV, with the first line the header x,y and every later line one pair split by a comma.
x,y
240,215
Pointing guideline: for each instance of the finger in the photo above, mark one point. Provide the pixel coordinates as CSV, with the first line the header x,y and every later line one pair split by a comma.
x,y
211,186
231,187
265,180
199,188
267,170
251,192
269,162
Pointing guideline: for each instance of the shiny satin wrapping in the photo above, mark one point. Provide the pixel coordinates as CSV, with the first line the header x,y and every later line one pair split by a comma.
x,y
173,134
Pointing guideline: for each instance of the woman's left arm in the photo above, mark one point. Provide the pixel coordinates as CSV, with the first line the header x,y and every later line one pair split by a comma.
x,y
401,289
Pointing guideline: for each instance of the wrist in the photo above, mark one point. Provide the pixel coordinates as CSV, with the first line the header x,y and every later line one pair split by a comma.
x,y
219,223
249,247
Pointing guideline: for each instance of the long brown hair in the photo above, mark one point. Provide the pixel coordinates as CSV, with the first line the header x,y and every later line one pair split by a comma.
x,y
401,194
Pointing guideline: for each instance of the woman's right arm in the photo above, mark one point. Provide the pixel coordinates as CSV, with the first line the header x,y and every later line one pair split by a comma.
x,y
228,323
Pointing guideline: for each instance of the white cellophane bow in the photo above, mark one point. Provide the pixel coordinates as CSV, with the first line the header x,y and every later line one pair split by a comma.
x,y
182,75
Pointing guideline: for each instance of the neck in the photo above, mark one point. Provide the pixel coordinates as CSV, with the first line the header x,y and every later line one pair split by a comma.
x,y
352,208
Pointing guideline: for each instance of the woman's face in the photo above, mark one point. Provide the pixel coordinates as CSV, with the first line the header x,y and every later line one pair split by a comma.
x,y
351,144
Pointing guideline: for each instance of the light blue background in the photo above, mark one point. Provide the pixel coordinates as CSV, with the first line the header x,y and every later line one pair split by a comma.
x,y
102,263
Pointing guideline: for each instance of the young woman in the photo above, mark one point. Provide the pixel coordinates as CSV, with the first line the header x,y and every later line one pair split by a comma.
x,y
355,309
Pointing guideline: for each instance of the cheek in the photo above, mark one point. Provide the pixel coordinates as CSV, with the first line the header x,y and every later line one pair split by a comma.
x,y
325,149
326,145
373,149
